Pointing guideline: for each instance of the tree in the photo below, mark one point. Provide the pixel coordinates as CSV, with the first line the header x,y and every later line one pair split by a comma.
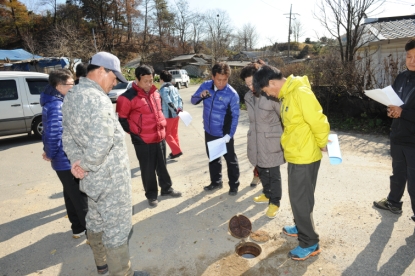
x,y
197,27
183,23
164,21
297,29
343,19
107,17
66,41
126,10
247,37
54,4
13,17
219,31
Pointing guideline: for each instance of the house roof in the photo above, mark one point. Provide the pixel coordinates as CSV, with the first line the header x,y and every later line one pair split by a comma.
x,y
182,57
238,63
256,54
200,60
392,27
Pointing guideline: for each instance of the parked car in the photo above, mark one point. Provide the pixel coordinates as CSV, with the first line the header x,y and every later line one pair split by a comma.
x,y
20,110
119,89
180,77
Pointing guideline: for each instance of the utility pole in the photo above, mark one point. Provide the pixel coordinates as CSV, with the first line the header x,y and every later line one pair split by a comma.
x,y
289,27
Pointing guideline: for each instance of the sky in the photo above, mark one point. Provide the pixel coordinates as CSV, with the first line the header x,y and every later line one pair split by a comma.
x,y
271,17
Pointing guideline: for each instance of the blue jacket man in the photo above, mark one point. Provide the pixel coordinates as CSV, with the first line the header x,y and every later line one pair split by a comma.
x,y
220,119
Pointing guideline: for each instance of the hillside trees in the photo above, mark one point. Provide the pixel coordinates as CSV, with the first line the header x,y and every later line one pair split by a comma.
x,y
15,19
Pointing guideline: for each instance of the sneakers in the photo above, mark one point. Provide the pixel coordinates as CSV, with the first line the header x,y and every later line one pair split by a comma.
x,y
291,231
386,205
301,254
172,156
153,202
212,187
255,181
77,236
171,192
261,199
272,210
233,191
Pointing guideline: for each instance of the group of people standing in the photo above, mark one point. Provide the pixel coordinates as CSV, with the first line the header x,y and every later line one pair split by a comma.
x,y
287,117
85,141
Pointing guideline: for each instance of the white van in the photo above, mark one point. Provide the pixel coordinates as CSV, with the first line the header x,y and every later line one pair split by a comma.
x,y
180,77
20,110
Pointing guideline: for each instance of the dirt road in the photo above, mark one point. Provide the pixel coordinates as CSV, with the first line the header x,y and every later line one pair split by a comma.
x,y
189,235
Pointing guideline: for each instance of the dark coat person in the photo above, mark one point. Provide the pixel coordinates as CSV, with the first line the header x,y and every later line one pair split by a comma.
x,y
402,138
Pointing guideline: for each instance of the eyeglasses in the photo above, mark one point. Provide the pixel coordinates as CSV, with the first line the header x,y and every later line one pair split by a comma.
x,y
68,84
249,85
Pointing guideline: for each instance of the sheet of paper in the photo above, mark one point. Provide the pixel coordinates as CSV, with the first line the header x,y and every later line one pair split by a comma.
x,y
385,96
186,117
217,148
333,150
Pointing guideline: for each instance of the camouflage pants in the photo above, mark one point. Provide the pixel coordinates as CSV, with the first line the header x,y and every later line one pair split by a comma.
x,y
111,214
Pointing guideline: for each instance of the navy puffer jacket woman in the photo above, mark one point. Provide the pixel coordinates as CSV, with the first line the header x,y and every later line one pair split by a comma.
x,y
76,202
51,100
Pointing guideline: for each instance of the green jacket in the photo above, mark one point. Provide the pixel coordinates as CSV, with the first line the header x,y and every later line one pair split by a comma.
x,y
306,128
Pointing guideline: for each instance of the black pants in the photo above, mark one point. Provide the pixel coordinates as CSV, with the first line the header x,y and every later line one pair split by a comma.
x,y
76,202
215,166
403,171
302,180
271,183
152,159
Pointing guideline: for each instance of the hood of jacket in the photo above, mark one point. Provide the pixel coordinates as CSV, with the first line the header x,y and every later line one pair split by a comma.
x,y
293,83
49,95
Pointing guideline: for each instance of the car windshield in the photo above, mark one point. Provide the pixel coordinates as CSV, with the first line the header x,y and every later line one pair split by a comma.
x,y
121,85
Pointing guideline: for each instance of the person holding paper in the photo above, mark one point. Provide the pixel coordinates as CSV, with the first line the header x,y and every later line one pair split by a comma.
x,y
305,135
172,105
264,140
220,119
402,138
140,115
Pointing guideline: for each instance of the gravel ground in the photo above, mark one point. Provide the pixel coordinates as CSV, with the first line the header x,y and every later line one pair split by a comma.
x,y
189,235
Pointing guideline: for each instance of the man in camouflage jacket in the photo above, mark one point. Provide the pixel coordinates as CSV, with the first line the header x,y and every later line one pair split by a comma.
x,y
94,142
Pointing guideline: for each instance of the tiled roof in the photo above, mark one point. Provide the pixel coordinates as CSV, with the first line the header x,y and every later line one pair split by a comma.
x,y
200,60
238,63
392,27
182,57
258,54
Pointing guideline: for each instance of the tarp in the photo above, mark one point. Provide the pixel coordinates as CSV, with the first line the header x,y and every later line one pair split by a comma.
x,y
17,54
20,59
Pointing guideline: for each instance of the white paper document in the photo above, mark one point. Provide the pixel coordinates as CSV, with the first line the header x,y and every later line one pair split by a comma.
x,y
186,117
385,96
217,148
333,150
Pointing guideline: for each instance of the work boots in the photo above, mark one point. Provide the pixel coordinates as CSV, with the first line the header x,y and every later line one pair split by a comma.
x,y
98,249
118,259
